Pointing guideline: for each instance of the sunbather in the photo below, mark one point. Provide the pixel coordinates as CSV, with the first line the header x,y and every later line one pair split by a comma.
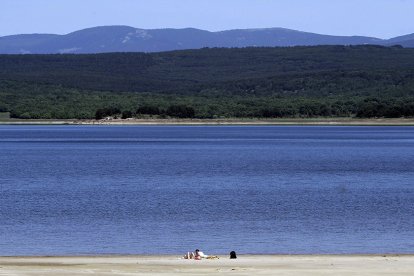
x,y
189,255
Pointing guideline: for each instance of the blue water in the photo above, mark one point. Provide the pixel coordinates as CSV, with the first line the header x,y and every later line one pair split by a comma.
x,y
98,190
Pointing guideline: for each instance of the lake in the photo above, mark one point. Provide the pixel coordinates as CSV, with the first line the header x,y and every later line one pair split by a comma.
x,y
70,190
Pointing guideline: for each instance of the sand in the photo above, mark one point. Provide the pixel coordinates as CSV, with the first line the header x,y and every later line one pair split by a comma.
x,y
315,121
244,265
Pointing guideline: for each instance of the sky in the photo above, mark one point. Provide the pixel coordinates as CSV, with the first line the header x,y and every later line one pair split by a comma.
x,y
377,18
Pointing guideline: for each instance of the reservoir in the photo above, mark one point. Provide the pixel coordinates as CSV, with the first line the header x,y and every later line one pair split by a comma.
x,y
72,190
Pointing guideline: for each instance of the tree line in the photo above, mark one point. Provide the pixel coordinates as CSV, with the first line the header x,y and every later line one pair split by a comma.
x,y
175,111
34,101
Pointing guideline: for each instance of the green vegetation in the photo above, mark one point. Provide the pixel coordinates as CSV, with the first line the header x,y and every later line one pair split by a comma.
x,y
324,81
4,115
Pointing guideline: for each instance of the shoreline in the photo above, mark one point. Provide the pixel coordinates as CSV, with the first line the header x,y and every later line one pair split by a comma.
x,y
224,122
294,265
179,255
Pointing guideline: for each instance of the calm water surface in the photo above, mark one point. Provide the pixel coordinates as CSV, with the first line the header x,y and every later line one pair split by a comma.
x,y
96,190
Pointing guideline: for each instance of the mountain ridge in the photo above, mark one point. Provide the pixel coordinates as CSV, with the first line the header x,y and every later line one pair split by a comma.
x,y
105,39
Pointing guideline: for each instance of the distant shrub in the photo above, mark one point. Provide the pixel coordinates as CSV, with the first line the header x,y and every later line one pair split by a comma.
x,y
181,111
105,112
126,114
148,110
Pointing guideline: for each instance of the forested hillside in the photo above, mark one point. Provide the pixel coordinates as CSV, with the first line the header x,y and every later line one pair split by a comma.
x,y
364,81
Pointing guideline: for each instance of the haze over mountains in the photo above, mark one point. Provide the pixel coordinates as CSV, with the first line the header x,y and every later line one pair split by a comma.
x,y
128,39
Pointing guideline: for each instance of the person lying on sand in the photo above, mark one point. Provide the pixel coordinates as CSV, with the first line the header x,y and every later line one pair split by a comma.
x,y
198,255
189,255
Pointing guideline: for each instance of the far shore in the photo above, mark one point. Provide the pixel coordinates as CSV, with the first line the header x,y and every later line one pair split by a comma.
x,y
295,121
290,265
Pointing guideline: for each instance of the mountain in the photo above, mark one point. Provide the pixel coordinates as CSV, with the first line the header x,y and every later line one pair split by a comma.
x,y
128,39
400,39
408,43
405,41
25,44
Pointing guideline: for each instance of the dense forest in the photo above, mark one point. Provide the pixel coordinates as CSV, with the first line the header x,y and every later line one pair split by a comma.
x,y
322,81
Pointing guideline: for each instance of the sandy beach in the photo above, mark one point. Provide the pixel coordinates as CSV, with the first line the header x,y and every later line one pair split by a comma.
x,y
314,121
244,265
